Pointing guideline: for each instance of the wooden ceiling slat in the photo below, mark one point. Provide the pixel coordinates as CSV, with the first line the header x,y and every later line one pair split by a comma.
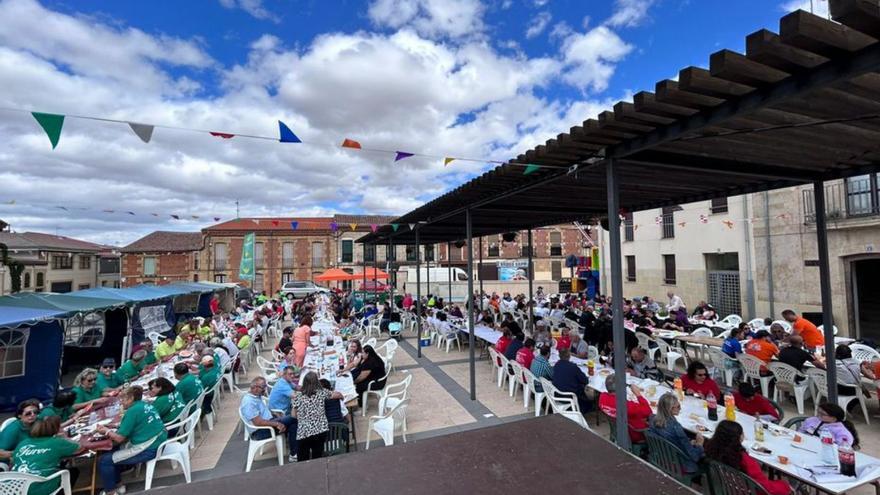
x,y
767,48
861,15
818,35
701,81
645,102
594,128
669,92
626,112
607,120
727,64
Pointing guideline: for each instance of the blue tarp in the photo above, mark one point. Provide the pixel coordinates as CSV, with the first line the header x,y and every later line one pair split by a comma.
x,y
171,290
130,294
12,317
61,302
42,364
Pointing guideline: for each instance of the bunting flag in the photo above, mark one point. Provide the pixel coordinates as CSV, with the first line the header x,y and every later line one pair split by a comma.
x,y
395,226
143,131
216,219
351,143
275,222
412,226
255,221
728,223
194,217
154,214
131,213
704,219
176,217
61,208
223,135
400,155
447,161
294,225
334,226
107,211
51,124
530,169
286,135
658,220
374,227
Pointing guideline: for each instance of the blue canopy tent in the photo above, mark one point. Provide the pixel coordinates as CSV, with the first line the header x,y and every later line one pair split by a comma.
x,y
206,291
30,354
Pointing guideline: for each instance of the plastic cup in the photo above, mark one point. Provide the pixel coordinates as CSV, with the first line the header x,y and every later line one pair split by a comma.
x,y
783,460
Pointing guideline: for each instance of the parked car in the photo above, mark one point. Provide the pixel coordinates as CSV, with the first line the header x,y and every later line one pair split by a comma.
x,y
299,289
373,286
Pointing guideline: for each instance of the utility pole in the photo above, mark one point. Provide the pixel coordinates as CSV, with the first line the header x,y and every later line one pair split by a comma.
x,y
237,216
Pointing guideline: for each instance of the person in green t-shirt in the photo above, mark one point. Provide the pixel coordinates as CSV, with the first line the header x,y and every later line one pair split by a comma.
x,y
41,454
19,429
131,369
62,406
86,388
150,358
141,431
188,385
209,376
107,378
168,403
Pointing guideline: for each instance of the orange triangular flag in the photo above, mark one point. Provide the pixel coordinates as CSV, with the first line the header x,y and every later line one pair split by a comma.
x,y
351,143
353,226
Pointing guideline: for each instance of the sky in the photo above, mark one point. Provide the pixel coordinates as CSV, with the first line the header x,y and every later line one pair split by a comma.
x,y
482,79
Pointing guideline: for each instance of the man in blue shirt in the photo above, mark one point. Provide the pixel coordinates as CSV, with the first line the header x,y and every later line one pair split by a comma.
x,y
279,399
255,411
567,377
514,346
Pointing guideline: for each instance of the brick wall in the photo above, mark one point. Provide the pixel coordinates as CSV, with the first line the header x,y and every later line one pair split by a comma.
x,y
170,267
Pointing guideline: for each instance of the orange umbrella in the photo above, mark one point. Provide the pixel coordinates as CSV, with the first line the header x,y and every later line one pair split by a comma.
x,y
333,274
372,274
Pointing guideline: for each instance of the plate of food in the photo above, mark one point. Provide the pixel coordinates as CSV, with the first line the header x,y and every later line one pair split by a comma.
x,y
758,449
605,372
185,354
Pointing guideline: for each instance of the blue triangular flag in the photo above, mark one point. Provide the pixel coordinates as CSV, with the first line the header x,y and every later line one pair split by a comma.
x,y
294,225
287,136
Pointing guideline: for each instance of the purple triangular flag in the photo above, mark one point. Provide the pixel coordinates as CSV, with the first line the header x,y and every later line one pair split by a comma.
x,y
401,155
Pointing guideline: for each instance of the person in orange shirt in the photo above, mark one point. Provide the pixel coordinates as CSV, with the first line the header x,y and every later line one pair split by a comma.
x,y
812,336
762,348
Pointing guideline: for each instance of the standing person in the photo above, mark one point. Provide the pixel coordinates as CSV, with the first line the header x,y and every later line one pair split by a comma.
x,y
811,334
675,303
301,339
257,413
138,437
42,453
567,377
664,424
725,447
312,426
215,304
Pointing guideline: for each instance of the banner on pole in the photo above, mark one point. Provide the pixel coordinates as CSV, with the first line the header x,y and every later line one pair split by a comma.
x,y
246,269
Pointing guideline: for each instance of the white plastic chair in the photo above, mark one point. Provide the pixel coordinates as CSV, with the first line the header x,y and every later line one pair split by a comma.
x,y
751,367
719,362
592,352
531,389
756,324
385,425
699,349
155,338
175,449
502,369
215,405
821,328
255,447
371,342
564,403
15,483
374,391
645,343
864,353
514,378
449,337
786,378
785,325
394,393
820,380
733,320
496,360
670,356
388,348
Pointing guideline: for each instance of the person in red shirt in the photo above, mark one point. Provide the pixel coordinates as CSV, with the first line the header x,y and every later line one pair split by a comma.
x,y
215,304
811,334
725,447
526,354
637,412
503,341
697,382
754,404
564,340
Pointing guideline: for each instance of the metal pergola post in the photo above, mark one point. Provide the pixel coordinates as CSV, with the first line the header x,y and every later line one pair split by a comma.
x,y
470,275
480,273
449,267
376,272
825,288
364,286
617,303
391,274
418,292
531,288
428,264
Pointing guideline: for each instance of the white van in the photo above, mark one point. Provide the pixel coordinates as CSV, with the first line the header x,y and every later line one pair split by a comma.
x,y
438,274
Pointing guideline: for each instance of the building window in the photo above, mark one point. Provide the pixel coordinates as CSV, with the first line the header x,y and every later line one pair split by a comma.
x,y
258,254
555,243
347,251
258,283
411,252
27,280
629,231
555,270
719,205
12,352
195,277
429,252
862,195
317,254
220,257
526,251
62,262
108,265
369,252
220,278
494,250
630,268
287,255
669,222
286,277
85,330
390,254
196,261
83,287
669,269
85,262
61,287
40,280
455,254
150,263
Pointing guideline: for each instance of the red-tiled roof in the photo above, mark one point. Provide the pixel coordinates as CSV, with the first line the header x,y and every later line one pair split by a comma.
x,y
60,242
280,224
169,242
365,220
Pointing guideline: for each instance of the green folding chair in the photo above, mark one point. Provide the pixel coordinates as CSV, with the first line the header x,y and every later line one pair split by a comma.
x,y
665,456
337,440
724,480
640,449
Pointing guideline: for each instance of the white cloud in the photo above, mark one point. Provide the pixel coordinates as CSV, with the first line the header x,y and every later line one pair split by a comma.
x,y
539,24
629,13
541,3
591,57
430,18
253,7
818,7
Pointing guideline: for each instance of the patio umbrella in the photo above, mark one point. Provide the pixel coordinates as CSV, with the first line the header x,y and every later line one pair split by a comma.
x,y
372,274
333,274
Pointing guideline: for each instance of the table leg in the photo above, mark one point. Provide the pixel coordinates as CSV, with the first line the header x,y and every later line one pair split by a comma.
x,y
354,433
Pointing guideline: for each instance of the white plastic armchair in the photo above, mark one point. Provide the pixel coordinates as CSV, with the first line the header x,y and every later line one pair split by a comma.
x,y
175,450
670,355
785,325
531,389
255,447
751,367
371,342
394,393
789,379
863,352
15,483
155,338
733,320
820,381
372,389
385,425
756,324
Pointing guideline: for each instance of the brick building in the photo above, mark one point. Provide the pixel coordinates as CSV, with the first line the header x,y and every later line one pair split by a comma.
x,y
161,258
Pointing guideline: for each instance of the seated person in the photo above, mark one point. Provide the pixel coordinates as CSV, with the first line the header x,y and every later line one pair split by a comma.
x,y
526,354
831,418
42,454
541,367
19,429
637,411
849,371
579,347
564,340
567,377
638,364
188,385
141,428
86,389
731,346
762,348
209,376
131,369
166,347
515,345
372,369
503,341
664,424
725,447
542,334
795,356
749,401
108,379
286,341
779,336
279,398
334,409
697,382
62,406
257,413
167,402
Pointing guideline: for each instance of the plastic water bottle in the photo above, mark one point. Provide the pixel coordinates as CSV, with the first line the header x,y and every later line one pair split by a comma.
x,y
829,452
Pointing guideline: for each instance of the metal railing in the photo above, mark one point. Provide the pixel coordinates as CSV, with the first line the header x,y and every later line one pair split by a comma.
x,y
850,199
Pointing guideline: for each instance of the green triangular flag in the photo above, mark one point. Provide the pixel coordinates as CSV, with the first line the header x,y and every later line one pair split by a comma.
x,y
530,169
395,226
51,123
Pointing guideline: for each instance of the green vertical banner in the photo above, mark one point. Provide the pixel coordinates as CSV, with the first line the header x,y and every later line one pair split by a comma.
x,y
246,269
595,261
